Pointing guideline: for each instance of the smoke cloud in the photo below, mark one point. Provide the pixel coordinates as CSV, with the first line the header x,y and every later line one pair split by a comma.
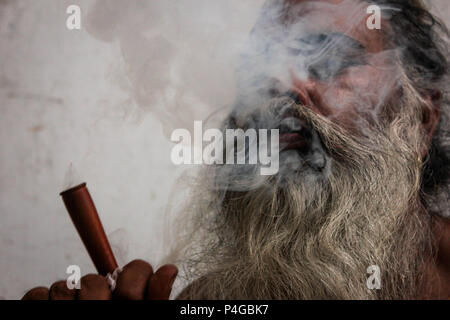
x,y
180,55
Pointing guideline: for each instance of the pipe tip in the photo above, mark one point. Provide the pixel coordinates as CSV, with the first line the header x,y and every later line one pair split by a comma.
x,y
82,185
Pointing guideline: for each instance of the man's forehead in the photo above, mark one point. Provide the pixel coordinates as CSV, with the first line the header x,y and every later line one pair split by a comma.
x,y
329,1
348,17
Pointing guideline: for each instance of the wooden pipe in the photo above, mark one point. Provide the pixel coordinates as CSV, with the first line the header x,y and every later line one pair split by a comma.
x,y
84,216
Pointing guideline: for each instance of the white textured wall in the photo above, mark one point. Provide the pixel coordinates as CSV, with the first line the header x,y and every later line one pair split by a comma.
x,y
68,97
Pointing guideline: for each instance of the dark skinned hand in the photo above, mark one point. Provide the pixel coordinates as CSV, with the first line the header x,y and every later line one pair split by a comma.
x,y
137,281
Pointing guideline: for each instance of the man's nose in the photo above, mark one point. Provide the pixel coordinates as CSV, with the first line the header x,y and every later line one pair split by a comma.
x,y
307,92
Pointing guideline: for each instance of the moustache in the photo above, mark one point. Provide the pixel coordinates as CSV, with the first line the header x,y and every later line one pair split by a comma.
x,y
301,139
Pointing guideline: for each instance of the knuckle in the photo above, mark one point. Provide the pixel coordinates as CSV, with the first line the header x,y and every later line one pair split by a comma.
x,y
58,286
139,265
59,290
93,280
127,293
167,269
38,293
94,287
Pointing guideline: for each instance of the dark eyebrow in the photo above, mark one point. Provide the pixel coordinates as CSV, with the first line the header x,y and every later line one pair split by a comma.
x,y
319,42
352,42
327,55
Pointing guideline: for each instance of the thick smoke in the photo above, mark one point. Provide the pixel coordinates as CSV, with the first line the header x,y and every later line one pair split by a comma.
x,y
179,84
279,51
283,49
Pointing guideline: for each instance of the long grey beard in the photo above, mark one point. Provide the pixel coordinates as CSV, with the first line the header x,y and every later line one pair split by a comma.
x,y
302,238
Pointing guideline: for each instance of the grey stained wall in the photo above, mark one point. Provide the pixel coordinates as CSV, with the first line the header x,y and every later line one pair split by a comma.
x,y
103,99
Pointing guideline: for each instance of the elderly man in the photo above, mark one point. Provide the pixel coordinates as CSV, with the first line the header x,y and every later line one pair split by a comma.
x,y
364,167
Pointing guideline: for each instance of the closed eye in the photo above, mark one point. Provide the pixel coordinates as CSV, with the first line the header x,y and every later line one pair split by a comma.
x,y
326,56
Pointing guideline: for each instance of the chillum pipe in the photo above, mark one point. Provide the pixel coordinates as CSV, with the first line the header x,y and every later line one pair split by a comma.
x,y
84,216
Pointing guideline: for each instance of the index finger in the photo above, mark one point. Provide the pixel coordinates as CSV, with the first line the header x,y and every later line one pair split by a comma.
x,y
132,281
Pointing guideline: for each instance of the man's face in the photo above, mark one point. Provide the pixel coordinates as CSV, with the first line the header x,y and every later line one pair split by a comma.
x,y
323,56
323,53
352,77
